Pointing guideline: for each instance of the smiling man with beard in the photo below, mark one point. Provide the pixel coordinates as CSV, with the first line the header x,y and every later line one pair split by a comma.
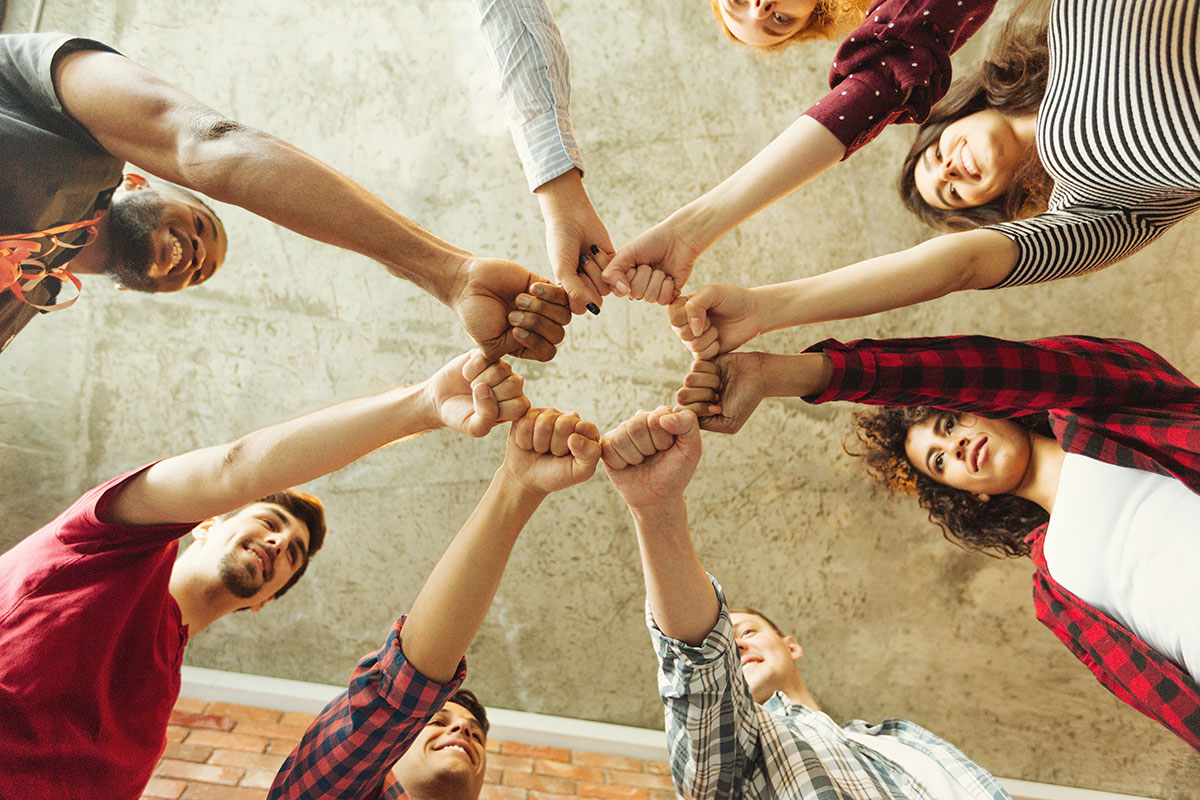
x,y
95,608
73,112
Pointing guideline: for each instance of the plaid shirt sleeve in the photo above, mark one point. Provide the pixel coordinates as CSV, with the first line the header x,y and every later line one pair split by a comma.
x,y
712,729
1123,663
349,749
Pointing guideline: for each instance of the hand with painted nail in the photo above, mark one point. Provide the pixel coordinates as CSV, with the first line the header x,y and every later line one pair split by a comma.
x,y
576,241
723,392
717,319
651,457
660,249
472,394
548,450
486,301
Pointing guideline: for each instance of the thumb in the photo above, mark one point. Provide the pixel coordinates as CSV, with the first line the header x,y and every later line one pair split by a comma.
x,y
485,412
585,451
684,426
615,272
697,306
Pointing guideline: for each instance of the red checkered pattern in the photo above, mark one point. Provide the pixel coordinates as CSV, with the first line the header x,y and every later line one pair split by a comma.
x,y
1113,400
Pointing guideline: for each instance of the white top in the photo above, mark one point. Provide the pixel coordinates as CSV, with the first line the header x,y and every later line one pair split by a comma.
x,y
1127,542
920,767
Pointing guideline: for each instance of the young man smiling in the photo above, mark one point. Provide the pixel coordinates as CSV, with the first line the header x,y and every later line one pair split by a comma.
x,y
740,721
402,729
95,609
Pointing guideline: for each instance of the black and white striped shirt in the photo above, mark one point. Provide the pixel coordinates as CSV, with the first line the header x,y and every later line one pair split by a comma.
x,y
1118,131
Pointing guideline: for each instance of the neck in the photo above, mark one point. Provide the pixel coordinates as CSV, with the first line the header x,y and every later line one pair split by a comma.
x,y
1040,484
798,692
201,603
93,259
440,790
1025,129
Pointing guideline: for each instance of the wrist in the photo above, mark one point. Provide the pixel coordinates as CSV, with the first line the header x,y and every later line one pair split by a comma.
x,y
698,224
659,512
510,482
561,193
429,407
797,375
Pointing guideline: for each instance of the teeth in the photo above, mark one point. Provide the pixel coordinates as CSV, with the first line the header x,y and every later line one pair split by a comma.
x,y
455,747
176,251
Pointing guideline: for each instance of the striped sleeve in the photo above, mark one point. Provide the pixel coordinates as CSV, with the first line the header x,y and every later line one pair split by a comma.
x,y
531,63
1071,241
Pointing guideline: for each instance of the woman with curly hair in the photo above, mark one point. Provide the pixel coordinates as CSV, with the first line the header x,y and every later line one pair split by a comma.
x,y
1096,126
1078,452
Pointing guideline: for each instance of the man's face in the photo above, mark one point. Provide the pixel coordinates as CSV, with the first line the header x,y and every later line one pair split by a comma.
x,y
976,454
768,659
447,759
163,240
256,551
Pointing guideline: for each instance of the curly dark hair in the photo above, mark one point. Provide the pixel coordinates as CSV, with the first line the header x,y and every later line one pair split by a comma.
x,y
997,526
1011,80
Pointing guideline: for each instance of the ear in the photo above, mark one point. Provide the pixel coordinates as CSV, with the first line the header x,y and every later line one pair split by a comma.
x,y
200,532
794,648
983,498
257,607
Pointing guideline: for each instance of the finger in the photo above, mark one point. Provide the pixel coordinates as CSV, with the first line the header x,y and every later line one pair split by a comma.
x,y
588,429
543,430
527,344
560,314
703,380
474,365
681,425
512,409
697,311
705,365
639,434
624,446
659,437
522,429
586,452
655,284
706,345
595,260
544,327
615,273
510,388
689,397
564,426
702,411
639,281
677,315
608,453
486,410
669,291
551,293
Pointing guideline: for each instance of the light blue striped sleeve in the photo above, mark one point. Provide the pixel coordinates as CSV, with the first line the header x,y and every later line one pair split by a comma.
x,y
527,53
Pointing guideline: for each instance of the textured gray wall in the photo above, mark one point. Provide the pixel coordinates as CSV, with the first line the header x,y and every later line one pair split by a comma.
x,y
895,621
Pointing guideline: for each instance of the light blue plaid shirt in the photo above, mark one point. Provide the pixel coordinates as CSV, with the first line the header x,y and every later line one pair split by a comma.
x,y
527,53
724,745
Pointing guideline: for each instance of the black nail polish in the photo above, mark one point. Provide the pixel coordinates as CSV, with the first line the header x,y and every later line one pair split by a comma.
x,y
595,250
592,307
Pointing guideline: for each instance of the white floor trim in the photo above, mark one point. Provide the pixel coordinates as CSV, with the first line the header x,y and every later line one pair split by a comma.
x,y
519,726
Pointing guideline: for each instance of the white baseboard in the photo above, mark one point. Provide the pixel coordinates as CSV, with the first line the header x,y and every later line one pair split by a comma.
x,y
519,726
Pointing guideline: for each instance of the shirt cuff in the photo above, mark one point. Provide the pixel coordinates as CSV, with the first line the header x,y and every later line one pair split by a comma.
x,y
403,686
712,649
853,372
859,108
547,147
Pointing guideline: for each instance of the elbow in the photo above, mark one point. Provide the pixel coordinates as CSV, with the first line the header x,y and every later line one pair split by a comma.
x,y
212,151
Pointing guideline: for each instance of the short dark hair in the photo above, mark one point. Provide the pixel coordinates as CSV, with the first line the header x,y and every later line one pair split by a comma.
x,y
997,527
760,615
305,507
1012,80
467,699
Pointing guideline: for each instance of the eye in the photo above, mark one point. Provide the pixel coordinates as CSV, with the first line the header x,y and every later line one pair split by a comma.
x,y
949,425
781,19
937,153
477,736
953,192
938,462
199,223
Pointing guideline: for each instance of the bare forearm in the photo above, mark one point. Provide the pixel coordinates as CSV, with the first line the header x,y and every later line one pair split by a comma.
x,y
680,595
454,601
796,156
208,482
951,263
280,182
797,375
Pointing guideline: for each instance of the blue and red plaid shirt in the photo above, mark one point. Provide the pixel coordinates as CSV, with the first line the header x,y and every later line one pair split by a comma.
x,y
1110,399
349,750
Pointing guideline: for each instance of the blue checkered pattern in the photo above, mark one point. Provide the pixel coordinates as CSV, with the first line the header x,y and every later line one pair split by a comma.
x,y
348,751
724,746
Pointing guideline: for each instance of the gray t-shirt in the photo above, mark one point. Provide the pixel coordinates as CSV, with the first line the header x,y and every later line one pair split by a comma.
x,y
52,172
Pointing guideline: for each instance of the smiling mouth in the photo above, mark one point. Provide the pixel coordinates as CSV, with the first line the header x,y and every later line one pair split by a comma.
x,y
261,559
460,749
976,454
967,159
176,252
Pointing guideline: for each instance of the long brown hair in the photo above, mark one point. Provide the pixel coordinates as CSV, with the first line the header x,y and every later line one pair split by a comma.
x,y
830,19
1012,80
997,526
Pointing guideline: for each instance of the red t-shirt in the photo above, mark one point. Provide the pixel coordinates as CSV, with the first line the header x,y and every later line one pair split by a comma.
x,y
91,642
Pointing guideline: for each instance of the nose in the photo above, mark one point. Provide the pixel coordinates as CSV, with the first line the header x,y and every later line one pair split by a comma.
x,y
960,448
198,252
741,646
949,170
763,8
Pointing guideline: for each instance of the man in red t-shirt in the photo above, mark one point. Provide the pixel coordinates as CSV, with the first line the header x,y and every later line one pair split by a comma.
x,y
95,609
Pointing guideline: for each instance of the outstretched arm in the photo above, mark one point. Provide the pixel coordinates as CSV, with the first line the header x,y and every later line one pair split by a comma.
x,y
725,391
468,394
547,450
719,318
169,133
650,459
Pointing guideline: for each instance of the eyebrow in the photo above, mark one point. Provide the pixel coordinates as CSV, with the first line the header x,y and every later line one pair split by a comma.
x,y
283,523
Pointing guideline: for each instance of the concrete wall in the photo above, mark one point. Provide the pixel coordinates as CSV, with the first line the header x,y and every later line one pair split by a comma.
x,y
895,621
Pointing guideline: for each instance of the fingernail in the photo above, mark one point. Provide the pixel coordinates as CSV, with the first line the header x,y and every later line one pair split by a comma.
x,y
623,286
592,307
595,250
523,301
582,261
516,318
539,289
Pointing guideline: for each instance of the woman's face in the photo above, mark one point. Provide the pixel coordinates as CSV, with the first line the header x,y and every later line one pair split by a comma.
x,y
973,162
976,454
762,23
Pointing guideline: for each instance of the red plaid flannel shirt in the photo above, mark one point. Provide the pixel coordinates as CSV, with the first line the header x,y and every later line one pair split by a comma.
x,y
1113,400
348,751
